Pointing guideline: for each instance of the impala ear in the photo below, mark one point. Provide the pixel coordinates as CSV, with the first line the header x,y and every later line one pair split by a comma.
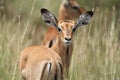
x,y
49,18
84,19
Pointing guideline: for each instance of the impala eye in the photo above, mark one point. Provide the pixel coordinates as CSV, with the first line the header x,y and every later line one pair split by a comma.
x,y
75,7
74,29
59,30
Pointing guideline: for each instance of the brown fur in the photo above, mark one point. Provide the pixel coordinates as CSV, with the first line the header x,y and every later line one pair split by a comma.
x,y
51,34
34,64
69,13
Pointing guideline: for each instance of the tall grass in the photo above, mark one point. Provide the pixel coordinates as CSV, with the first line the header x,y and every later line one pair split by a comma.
x,y
97,49
96,53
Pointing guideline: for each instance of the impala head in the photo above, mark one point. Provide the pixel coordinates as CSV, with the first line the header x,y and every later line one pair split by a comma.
x,y
73,8
66,28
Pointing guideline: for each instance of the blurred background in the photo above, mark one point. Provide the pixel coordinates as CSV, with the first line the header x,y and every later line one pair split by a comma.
x,y
96,53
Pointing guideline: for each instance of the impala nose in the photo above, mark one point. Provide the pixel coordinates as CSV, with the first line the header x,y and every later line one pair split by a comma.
x,y
68,39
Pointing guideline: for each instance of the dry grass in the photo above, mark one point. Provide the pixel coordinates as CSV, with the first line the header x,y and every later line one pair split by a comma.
x,y
97,50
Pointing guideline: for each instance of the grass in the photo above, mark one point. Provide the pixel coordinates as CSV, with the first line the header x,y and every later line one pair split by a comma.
x,y
96,53
97,49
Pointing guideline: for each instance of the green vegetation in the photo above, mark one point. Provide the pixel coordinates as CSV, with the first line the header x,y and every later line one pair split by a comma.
x,y
97,50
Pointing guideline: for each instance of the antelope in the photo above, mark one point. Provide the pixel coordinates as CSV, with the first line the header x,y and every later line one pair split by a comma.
x,y
64,32
69,10
41,62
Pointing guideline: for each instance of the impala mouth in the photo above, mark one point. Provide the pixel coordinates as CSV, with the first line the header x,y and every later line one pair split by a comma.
x,y
67,42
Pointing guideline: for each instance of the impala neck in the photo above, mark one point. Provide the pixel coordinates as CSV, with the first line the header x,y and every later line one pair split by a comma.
x,y
59,47
63,50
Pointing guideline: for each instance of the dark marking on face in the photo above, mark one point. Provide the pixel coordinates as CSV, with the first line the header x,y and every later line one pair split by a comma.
x,y
59,30
73,30
75,7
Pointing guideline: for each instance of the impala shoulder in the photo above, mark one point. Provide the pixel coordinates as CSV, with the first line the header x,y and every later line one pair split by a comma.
x,y
25,52
55,55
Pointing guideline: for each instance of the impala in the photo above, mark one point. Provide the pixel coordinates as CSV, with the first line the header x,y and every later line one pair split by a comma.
x,y
69,10
64,33
40,63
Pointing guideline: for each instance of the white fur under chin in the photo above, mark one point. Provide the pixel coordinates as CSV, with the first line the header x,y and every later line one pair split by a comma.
x,y
67,42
